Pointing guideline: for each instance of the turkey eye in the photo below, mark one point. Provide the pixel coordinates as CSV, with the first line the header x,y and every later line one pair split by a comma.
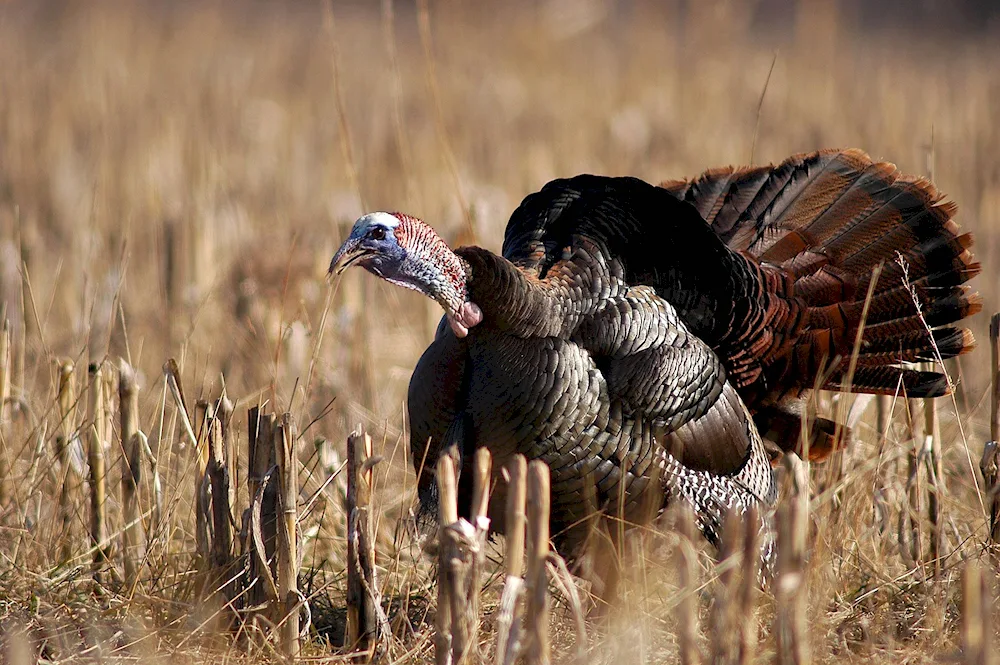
x,y
378,233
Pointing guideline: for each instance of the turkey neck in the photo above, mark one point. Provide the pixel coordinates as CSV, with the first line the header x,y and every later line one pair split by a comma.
x,y
520,304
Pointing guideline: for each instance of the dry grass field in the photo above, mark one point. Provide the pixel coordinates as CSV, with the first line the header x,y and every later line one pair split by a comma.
x,y
175,177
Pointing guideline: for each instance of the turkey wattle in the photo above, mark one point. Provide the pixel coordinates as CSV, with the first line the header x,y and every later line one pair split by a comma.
x,y
641,339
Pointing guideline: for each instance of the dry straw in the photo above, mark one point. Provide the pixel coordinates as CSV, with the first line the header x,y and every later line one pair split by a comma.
x,y
128,405
207,175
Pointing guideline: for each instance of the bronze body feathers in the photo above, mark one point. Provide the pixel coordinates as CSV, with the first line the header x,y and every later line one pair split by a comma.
x,y
639,338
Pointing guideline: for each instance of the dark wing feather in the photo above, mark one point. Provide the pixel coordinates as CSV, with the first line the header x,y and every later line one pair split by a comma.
x,y
769,266
724,298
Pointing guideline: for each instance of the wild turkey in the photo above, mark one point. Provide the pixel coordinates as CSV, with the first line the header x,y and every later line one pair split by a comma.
x,y
649,333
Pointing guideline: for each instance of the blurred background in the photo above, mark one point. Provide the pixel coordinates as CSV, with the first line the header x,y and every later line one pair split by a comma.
x,y
197,163
175,176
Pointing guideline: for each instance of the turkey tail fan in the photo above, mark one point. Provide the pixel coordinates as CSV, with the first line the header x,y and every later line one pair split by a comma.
x,y
817,225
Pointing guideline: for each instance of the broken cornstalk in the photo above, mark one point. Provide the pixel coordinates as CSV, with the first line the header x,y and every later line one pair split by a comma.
x,y
687,574
931,454
747,592
220,479
6,358
722,622
991,454
536,580
910,538
461,552
363,599
260,520
508,615
96,433
793,645
128,405
70,458
204,416
977,619
448,515
288,556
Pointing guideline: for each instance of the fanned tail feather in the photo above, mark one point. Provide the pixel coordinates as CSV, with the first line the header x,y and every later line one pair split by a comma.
x,y
821,226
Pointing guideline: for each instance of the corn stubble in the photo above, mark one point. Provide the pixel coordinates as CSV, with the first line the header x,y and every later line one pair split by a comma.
x,y
173,182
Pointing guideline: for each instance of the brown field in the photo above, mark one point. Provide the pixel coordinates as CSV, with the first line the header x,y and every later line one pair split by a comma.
x,y
174,180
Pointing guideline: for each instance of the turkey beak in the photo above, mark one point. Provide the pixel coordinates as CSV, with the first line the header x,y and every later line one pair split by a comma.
x,y
349,253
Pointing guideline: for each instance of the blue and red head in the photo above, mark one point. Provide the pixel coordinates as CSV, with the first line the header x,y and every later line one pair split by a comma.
x,y
407,252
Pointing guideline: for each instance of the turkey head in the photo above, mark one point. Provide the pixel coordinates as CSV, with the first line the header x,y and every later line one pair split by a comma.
x,y
405,251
